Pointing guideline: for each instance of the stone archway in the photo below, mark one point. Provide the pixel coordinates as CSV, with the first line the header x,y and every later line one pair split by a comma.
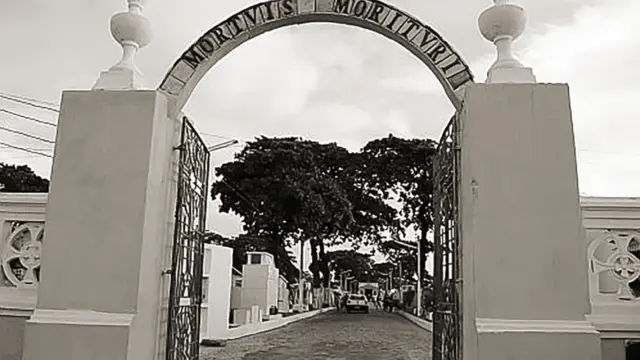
x,y
420,39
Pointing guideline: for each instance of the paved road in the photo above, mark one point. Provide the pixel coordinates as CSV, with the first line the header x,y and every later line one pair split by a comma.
x,y
333,336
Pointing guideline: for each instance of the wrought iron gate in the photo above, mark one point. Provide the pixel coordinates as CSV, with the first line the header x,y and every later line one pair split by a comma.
x,y
447,314
183,331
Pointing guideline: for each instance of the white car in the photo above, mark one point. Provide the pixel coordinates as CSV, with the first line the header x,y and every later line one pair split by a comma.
x,y
357,302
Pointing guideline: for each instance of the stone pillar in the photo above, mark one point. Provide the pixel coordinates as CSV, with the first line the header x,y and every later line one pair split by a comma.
x,y
106,229
525,293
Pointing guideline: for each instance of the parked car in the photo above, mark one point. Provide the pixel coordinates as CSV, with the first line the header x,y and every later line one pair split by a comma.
x,y
357,302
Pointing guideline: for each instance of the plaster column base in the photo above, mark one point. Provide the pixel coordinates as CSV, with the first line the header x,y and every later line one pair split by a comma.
x,y
85,335
535,340
510,75
119,79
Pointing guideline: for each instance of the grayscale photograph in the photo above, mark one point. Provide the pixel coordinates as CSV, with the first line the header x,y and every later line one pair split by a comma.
x,y
319,180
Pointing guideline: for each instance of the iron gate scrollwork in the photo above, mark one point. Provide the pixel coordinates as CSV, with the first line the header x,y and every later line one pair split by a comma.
x,y
447,314
185,297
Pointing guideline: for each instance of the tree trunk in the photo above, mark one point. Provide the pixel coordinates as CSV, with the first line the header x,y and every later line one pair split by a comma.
x,y
315,270
424,229
422,255
274,248
324,265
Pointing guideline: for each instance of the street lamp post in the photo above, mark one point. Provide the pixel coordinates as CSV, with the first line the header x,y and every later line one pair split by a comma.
x,y
400,280
419,286
301,281
223,145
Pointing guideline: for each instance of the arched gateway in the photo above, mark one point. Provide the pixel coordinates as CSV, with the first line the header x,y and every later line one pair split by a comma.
x,y
420,39
126,188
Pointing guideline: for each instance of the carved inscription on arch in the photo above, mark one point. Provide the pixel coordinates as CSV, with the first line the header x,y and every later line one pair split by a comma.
x,y
419,38
235,26
418,35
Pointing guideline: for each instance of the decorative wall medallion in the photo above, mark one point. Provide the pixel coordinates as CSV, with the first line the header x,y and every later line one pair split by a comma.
x,y
621,263
21,254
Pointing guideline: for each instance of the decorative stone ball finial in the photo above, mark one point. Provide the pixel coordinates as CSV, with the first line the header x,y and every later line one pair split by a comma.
x,y
132,31
502,24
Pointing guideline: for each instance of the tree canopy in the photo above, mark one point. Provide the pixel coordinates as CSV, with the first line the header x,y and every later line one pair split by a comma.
x,y
359,264
400,260
21,178
292,189
289,190
402,170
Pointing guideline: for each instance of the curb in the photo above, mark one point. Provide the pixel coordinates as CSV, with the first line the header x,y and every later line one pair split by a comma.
x,y
253,329
420,322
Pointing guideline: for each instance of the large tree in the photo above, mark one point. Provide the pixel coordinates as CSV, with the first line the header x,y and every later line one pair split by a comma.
x,y
289,188
21,178
373,215
401,170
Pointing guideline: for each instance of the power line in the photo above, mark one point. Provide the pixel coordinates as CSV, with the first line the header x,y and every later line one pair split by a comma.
x,y
30,148
26,135
217,136
18,157
222,137
25,149
26,98
29,103
27,117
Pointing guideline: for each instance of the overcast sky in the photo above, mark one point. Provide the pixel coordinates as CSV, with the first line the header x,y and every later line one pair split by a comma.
x,y
334,83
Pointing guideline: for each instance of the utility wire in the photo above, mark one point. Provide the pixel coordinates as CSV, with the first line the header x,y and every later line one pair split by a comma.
x,y
30,99
25,149
222,137
216,136
26,135
27,117
29,103
34,103
19,157
30,148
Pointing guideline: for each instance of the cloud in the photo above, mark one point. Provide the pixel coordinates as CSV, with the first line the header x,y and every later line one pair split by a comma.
x,y
265,76
597,54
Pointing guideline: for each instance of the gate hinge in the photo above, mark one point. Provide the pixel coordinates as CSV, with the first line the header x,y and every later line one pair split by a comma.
x,y
179,147
167,272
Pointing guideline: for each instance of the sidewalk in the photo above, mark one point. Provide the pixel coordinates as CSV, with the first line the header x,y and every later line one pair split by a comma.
x,y
423,323
252,329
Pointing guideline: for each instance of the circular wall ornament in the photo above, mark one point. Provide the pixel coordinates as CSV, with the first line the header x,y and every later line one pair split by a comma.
x,y
622,264
21,254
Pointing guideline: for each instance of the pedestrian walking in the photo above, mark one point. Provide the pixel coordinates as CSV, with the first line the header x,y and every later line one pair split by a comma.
x,y
379,300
